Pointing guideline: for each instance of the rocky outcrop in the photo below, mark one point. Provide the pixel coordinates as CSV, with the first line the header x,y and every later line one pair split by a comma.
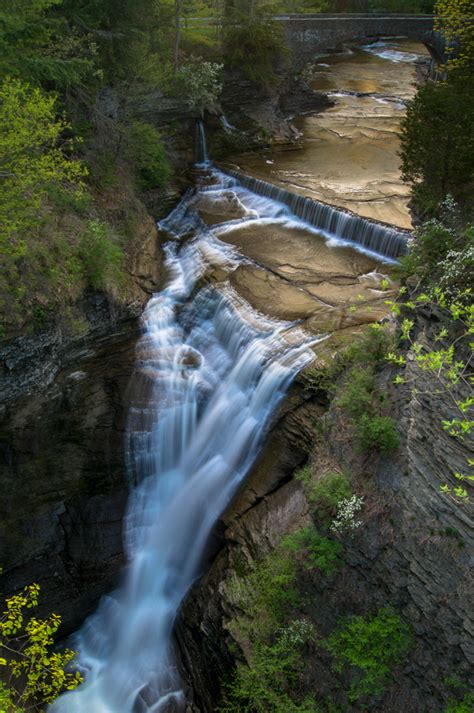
x,y
62,419
269,505
414,553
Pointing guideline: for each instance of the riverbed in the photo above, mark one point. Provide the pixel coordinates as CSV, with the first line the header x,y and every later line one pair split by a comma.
x,y
348,155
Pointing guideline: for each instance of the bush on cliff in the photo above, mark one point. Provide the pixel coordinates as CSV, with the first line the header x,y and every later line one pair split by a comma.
x,y
373,645
377,433
148,153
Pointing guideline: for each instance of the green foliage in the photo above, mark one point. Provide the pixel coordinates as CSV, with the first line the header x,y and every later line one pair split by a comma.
x,y
314,550
148,153
264,596
101,256
39,44
371,347
377,433
382,5
273,638
32,159
466,705
437,142
199,81
455,19
36,673
254,44
374,646
328,492
263,685
360,399
446,363
442,254
368,350
357,395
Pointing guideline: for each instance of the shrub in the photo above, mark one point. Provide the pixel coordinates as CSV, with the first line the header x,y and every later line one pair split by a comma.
x,y
327,492
314,550
358,390
431,243
371,347
457,268
200,82
264,595
263,685
345,517
148,153
101,256
304,475
377,433
464,706
374,645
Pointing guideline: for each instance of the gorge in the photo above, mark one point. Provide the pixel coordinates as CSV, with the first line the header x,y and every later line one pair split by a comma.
x,y
198,405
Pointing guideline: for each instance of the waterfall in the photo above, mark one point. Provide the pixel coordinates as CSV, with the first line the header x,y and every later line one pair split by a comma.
x,y
227,126
202,157
210,372
376,237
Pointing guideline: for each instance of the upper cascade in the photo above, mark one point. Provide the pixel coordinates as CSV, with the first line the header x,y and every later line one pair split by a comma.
x,y
333,222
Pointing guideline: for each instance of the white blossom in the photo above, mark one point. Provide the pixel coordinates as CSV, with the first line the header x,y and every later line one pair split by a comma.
x,y
345,520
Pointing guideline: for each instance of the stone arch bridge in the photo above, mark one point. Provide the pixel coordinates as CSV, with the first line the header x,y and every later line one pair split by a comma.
x,y
307,35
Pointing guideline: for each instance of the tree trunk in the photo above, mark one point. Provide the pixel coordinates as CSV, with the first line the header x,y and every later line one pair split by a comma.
x,y
178,6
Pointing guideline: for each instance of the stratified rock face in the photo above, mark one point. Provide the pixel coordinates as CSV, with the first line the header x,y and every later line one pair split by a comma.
x,y
268,506
63,406
63,482
413,553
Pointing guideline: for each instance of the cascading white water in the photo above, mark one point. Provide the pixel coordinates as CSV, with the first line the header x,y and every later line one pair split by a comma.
x,y
202,156
330,221
210,373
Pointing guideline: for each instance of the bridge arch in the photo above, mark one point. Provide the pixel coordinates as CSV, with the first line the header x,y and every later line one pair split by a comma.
x,y
308,35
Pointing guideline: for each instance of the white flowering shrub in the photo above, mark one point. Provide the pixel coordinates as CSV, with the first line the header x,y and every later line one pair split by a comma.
x,y
449,204
457,269
200,82
298,632
345,520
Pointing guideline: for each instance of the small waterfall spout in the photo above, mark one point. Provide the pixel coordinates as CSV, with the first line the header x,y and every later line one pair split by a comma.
x,y
202,156
210,374
376,237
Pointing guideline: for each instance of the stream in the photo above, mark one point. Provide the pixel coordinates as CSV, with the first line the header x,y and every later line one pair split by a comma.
x,y
256,287
348,155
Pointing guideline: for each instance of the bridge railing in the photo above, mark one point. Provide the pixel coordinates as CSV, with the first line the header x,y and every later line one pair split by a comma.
x,y
318,16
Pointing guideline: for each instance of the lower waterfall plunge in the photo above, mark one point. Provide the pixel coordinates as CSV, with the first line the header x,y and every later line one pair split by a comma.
x,y
210,373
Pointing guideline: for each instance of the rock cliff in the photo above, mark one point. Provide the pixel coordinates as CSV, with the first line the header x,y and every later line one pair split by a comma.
x,y
413,553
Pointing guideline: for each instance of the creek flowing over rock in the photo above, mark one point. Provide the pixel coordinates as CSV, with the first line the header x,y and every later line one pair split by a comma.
x,y
210,372
347,155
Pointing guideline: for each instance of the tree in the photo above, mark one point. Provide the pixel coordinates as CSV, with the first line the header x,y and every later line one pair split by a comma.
x,y
35,673
437,141
455,20
38,44
255,46
32,158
